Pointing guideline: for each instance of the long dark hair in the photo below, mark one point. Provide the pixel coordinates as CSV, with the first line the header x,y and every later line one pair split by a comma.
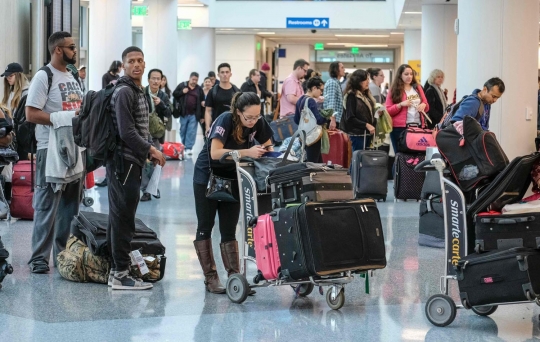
x,y
167,89
240,102
114,67
373,72
398,85
353,84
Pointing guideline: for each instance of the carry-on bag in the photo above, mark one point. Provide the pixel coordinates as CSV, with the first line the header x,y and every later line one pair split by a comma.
x,y
369,173
415,139
266,248
173,150
408,183
22,190
308,182
319,238
506,276
340,149
89,181
91,228
283,128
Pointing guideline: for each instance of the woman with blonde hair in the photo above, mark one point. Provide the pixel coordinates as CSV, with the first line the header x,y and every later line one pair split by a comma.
x,y
435,97
15,86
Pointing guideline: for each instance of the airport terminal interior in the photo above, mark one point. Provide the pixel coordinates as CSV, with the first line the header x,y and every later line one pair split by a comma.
x,y
469,40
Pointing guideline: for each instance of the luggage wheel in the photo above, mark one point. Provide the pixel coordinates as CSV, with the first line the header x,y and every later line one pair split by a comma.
x,y
335,297
303,290
484,310
88,201
237,288
440,310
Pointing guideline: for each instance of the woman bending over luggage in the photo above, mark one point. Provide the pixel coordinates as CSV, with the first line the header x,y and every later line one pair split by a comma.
x,y
315,87
234,130
358,118
406,102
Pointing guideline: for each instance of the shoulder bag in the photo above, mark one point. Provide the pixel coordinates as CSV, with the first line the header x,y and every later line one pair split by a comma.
x,y
308,124
219,188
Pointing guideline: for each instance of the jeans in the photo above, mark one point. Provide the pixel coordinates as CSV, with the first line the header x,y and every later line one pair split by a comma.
x,y
313,152
394,136
358,142
188,130
206,209
123,201
53,213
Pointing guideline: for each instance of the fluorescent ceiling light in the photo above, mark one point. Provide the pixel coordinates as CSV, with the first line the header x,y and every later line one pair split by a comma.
x,y
266,33
226,29
396,32
412,12
363,35
357,45
190,5
302,38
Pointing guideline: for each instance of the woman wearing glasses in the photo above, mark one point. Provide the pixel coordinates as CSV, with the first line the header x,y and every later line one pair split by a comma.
x,y
315,87
237,129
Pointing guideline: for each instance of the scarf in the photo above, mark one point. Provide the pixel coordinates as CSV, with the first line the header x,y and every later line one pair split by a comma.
x,y
441,95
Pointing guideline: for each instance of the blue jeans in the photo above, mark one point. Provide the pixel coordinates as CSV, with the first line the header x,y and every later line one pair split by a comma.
x,y
188,130
357,142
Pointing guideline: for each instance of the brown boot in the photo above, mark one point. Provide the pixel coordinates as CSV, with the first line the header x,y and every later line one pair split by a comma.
x,y
229,254
208,265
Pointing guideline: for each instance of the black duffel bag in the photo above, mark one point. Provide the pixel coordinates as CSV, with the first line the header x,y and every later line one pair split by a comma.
x,y
91,228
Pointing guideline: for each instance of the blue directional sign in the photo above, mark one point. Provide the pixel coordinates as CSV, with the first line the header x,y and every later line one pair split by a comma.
x,y
308,23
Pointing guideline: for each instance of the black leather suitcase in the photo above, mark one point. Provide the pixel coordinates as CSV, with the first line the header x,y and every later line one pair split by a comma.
x,y
506,276
369,174
408,183
320,239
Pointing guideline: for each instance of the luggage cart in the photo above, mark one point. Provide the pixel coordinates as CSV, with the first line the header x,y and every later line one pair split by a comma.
x,y
440,308
237,285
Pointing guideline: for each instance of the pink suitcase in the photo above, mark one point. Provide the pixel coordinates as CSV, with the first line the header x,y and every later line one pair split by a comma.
x,y
266,249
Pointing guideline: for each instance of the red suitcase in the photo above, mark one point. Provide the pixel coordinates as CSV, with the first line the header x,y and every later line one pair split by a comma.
x,y
22,190
340,149
90,182
266,248
173,150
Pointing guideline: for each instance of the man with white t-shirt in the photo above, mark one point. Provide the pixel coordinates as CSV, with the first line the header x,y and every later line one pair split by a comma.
x,y
54,208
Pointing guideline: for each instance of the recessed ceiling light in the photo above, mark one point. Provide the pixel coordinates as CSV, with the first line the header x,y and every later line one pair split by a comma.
x,y
412,12
363,35
266,33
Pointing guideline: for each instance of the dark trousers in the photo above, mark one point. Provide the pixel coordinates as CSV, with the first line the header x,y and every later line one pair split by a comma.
x,y
313,152
123,201
206,210
357,142
394,136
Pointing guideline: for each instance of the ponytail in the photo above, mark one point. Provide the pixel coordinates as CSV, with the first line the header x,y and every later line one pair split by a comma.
x,y
239,103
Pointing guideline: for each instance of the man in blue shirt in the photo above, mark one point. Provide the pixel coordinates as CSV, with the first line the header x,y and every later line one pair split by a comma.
x,y
478,104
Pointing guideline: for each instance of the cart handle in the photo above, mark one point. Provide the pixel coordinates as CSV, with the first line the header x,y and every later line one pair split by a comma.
x,y
225,158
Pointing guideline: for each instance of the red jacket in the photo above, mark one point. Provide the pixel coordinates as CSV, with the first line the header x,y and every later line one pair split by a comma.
x,y
399,116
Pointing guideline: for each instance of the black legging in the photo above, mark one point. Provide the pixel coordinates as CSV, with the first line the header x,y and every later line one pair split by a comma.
x,y
206,213
313,152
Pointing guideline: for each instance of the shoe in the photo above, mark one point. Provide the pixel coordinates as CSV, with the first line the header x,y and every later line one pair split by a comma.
x,y
189,152
122,280
208,265
111,277
4,254
102,183
146,197
158,195
231,259
39,266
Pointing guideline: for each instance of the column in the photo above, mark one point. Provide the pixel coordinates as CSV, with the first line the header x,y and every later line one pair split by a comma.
x,y
412,41
196,50
159,43
109,36
439,43
498,38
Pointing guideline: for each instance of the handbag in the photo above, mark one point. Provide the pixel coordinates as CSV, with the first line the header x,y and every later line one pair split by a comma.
x,y
416,139
308,124
219,188
283,128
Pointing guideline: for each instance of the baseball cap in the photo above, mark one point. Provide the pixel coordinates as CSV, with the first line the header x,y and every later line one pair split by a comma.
x,y
82,67
11,69
265,67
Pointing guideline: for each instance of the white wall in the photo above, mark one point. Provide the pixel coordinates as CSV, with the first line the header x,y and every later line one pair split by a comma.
x,y
196,52
239,51
294,52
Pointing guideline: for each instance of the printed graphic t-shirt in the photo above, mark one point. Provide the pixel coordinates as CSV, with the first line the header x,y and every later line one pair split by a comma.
x,y
222,129
412,113
65,95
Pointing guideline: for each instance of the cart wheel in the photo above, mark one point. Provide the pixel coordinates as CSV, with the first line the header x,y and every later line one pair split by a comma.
x,y
477,249
9,269
484,310
338,302
304,290
88,201
237,288
440,310
466,304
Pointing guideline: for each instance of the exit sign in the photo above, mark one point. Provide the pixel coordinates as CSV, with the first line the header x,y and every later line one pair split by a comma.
x,y
184,24
355,50
319,46
138,11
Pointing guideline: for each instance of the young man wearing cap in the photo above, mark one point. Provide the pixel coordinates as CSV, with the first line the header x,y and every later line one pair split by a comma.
x,y
82,78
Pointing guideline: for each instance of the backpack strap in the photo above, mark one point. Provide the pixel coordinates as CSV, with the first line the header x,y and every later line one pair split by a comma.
x,y
49,77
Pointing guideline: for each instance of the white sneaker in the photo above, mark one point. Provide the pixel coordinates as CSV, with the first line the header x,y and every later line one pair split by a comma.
x,y
124,281
188,152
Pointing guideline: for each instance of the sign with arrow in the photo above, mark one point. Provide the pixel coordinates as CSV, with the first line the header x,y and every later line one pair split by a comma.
x,y
308,23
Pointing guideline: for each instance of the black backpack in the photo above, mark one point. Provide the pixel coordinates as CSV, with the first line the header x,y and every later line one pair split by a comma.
x,y
215,90
451,110
93,128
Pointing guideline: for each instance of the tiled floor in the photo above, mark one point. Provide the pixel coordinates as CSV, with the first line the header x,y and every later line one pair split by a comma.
x,y
49,308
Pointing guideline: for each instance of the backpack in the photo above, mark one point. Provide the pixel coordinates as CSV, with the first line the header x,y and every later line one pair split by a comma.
x,y
215,90
177,109
451,110
156,127
93,128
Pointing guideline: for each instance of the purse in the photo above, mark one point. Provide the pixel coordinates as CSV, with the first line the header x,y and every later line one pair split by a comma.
x,y
219,188
308,124
282,128
416,139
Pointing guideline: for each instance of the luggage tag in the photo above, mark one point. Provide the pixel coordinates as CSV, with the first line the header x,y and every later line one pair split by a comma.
x,y
138,260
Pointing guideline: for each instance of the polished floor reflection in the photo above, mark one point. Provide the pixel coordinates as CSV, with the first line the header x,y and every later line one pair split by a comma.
x,y
49,308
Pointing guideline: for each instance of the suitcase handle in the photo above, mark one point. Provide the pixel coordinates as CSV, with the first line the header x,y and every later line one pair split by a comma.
x,y
513,220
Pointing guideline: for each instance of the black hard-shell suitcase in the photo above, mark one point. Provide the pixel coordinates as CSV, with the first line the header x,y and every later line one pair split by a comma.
x,y
506,276
91,228
408,183
431,225
369,174
503,231
318,239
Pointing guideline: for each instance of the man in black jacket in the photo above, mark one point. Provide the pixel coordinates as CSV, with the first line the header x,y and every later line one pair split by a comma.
x,y
190,97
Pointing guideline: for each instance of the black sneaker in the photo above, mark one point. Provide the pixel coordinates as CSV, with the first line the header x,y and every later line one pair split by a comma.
x,y
39,266
102,183
158,195
146,197
124,281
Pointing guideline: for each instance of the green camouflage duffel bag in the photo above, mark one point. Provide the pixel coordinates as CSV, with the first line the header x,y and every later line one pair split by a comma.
x,y
77,263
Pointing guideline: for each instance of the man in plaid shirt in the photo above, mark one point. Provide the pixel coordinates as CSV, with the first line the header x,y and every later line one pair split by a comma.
x,y
333,97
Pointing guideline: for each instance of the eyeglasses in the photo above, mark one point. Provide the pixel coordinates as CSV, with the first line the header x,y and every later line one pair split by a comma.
x,y
71,47
250,119
305,70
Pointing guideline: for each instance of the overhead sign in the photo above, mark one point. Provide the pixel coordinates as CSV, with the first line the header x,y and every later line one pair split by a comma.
x,y
308,23
184,24
319,46
138,11
355,50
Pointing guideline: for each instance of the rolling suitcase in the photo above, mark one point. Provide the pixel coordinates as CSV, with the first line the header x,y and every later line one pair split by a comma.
x,y
173,150
319,239
340,149
89,181
266,248
369,173
22,190
408,183
506,276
